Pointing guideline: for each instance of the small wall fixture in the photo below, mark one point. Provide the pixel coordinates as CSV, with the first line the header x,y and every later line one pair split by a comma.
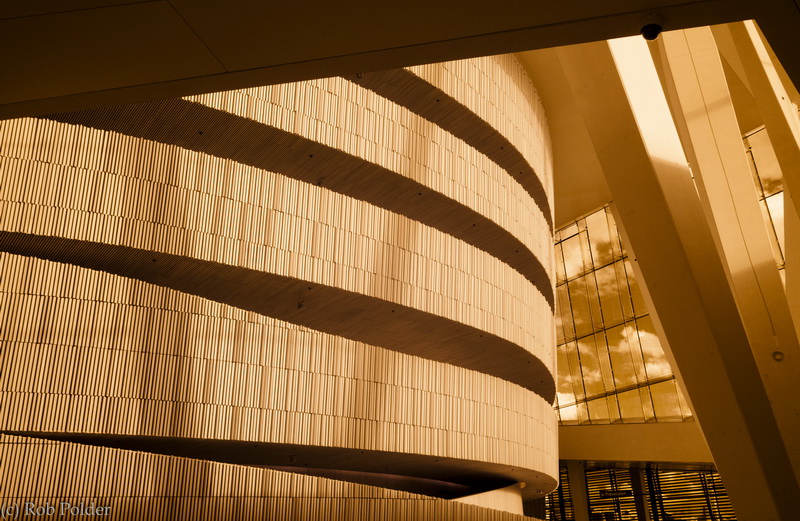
x,y
651,31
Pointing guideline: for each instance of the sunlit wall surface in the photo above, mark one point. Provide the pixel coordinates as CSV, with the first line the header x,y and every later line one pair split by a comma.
x,y
611,367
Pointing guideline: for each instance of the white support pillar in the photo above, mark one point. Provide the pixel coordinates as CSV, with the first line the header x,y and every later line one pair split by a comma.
x,y
627,118
777,102
641,494
702,109
791,230
578,489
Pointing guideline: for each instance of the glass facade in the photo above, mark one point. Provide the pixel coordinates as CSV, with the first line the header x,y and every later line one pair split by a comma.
x,y
611,367
769,186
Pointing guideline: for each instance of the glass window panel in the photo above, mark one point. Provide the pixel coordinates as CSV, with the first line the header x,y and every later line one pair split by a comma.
x,y
569,415
604,362
639,306
610,302
598,410
569,231
600,239
583,412
590,367
613,409
636,353
630,406
625,355
647,404
580,307
620,352
565,394
594,301
766,162
656,363
773,237
560,273
575,370
775,205
616,243
685,410
753,171
624,291
559,321
573,260
588,261
665,401
564,317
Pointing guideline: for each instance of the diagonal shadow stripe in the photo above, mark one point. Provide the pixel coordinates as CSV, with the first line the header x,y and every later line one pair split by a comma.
x,y
416,473
332,310
420,97
203,129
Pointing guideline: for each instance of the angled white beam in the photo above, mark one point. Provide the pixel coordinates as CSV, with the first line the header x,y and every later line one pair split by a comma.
x,y
683,273
777,101
702,108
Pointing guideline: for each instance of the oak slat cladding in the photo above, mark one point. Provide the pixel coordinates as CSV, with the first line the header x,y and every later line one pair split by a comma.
x,y
461,193
152,486
183,371
389,135
497,89
503,304
445,94
309,269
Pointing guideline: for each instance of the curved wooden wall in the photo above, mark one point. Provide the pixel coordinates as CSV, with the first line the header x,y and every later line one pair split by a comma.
x,y
279,226
201,369
139,485
326,269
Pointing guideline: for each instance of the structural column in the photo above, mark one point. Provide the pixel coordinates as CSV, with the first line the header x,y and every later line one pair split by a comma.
x,y
777,101
626,115
640,494
702,108
578,489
